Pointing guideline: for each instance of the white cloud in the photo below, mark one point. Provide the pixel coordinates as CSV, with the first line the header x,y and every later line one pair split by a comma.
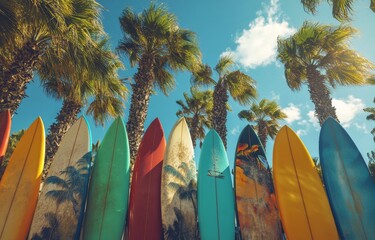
x,y
313,120
347,109
362,127
293,113
235,130
305,127
257,45
301,132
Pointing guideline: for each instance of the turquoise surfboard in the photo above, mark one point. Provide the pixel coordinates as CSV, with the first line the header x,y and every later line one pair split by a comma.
x,y
349,186
107,202
216,209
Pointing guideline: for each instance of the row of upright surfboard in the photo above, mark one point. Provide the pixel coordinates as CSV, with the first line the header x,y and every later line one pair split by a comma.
x,y
94,199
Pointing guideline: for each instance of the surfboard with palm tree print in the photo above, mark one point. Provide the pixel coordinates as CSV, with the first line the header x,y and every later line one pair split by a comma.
x,y
179,186
60,206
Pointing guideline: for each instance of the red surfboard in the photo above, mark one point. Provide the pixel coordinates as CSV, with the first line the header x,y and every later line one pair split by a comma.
x,y
144,219
5,122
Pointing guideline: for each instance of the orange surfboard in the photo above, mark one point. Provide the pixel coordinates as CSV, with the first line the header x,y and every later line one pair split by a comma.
x,y
303,203
19,186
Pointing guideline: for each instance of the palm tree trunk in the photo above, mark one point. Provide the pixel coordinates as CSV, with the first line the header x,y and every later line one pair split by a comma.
x,y
139,105
194,129
262,133
15,78
320,95
219,113
64,120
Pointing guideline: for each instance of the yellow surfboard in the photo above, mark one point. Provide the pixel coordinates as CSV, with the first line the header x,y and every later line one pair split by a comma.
x,y
19,186
303,204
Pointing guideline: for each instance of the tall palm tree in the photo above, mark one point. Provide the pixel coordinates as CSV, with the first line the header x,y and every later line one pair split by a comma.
x,y
239,85
196,110
100,85
153,41
341,9
266,115
39,27
319,56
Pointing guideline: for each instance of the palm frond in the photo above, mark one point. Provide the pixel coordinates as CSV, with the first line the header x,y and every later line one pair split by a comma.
x,y
241,87
57,181
59,196
310,5
202,76
246,114
342,9
174,172
8,20
175,186
224,65
164,80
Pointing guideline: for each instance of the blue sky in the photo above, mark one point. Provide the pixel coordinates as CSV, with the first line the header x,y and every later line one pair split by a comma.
x,y
247,29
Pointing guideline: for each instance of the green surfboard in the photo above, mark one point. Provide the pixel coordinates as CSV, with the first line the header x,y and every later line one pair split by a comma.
x,y
109,186
216,212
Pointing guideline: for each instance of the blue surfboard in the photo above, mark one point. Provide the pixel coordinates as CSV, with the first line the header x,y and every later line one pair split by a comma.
x,y
216,209
349,186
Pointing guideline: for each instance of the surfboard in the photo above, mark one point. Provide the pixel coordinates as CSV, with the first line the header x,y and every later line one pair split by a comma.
x,y
350,188
303,204
19,186
59,212
216,207
144,218
179,185
5,124
257,212
109,186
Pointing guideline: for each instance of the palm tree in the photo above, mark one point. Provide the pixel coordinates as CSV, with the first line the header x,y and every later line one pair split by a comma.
x,y
341,9
153,41
185,185
239,85
101,85
371,116
39,27
73,181
196,110
266,115
319,56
